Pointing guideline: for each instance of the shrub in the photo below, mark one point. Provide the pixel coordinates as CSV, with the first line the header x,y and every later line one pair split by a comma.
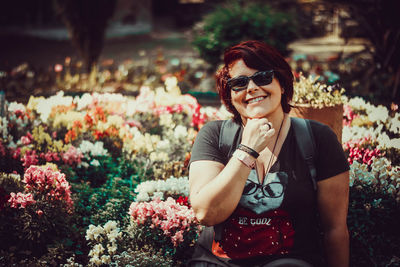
x,y
231,23
374,213
165,225
37,214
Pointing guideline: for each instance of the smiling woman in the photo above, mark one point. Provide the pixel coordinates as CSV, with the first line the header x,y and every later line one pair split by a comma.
x,y
260,198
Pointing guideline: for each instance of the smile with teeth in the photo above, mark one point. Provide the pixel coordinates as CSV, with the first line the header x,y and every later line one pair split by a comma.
x,y
257,99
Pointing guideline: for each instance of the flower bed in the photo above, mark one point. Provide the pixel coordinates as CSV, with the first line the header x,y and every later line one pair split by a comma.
x,y
104,179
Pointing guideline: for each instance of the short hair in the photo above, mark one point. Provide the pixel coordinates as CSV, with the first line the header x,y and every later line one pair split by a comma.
x,y
260,56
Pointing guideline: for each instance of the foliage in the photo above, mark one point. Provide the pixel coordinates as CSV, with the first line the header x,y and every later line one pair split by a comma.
x,y
99,205
144,257
378,22
234,22
374,211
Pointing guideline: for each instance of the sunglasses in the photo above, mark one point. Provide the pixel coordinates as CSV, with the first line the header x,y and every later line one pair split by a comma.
x,y
260,78
271,190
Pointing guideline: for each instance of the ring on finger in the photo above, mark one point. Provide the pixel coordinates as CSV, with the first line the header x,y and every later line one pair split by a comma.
x,y
267,126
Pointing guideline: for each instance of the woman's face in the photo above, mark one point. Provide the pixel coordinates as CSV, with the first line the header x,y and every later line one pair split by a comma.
x,y
266,99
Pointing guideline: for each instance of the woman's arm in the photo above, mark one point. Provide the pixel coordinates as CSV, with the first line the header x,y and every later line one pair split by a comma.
x,y
333,200
215,189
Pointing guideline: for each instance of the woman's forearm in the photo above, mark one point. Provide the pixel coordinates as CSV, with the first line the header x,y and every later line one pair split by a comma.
x,y
216,200
337,247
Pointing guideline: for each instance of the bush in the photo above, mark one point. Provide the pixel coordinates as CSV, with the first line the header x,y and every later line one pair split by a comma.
x,y
374,213
234,22
36,212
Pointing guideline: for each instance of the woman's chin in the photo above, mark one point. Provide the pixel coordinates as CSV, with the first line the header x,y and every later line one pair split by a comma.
x,y
257,114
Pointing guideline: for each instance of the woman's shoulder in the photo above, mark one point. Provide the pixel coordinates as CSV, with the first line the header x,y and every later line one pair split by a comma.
x,y
212,126
320,128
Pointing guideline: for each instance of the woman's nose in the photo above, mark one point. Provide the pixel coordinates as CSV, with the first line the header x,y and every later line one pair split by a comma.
x,y
252,86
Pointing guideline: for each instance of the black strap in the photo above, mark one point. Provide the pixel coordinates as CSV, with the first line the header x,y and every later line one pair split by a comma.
x,y
230,136
306,145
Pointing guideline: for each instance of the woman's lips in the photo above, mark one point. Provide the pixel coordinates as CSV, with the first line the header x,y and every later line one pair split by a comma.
x,y
256,99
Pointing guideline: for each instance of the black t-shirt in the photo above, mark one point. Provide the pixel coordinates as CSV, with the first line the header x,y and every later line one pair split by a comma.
x,y
278,217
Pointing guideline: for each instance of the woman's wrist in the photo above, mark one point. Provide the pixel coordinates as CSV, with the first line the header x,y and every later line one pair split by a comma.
x,y
245,158
248,150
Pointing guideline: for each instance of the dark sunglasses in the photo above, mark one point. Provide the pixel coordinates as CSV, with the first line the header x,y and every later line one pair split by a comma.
x,y
271,190
260,78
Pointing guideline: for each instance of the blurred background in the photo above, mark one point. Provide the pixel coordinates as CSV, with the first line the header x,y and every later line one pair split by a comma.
x,y
120,45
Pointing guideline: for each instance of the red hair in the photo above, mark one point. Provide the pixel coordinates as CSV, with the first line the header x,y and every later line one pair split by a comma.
x,y
260,56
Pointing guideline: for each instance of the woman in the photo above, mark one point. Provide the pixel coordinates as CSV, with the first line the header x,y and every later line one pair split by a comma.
x,y
261,199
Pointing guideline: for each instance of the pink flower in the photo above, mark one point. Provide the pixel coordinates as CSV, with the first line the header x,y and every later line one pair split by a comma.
x,y
170,217
20,200
198,118
30,158
27,139
177,238
361,150
39,212
53,184
16,153
72,156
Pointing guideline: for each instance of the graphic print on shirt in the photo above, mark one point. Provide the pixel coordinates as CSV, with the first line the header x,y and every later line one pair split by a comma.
x,y
258,226
268,196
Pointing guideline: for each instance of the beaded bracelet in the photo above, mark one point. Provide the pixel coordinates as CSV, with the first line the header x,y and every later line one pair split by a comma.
x,y
249,151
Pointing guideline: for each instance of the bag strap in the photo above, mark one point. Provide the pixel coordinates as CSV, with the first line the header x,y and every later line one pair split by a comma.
x,y
230,136
306,144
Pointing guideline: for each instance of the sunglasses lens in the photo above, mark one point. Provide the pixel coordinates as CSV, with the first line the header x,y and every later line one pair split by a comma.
x,y
239,83
263,77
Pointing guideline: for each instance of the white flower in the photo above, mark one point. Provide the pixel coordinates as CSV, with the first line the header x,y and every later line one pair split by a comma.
x,y
394,124
180,132
95,149
14,106
158,156
45,105
94,232
98,249
150,189
105,259
377,114
395,143
357,103
171,85
83,101
95,163
110,226
164,145
112,248
166,120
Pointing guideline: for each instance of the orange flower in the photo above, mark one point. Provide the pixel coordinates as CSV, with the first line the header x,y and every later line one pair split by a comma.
x,y
70,136
89,120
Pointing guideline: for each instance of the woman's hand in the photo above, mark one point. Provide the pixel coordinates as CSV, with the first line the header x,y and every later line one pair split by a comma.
x,y
256,133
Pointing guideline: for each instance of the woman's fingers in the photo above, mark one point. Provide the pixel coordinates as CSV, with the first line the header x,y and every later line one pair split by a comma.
x,y
256,133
